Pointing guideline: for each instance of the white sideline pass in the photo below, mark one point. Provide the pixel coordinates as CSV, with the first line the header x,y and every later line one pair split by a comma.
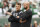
x,y
35,10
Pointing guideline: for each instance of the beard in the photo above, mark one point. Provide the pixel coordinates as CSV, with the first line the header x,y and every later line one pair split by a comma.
x,y
26,7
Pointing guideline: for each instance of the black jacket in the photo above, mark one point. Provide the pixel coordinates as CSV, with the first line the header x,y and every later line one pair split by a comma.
x,y
14,21
27,15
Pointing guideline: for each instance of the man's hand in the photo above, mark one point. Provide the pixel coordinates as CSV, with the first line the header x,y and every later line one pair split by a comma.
x,y
8,13
20,20
24,21
17,16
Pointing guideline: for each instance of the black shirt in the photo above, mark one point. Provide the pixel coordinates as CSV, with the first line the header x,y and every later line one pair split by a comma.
x,y
14,18
27,15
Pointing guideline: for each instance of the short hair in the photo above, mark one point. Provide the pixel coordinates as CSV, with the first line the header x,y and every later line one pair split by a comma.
x,y
19,4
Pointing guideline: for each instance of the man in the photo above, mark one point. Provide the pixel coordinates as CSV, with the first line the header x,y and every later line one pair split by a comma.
x,y
30,4
14,18
27,16
24,4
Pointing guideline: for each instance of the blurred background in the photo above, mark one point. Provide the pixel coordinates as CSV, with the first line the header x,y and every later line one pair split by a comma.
x,y
6,5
